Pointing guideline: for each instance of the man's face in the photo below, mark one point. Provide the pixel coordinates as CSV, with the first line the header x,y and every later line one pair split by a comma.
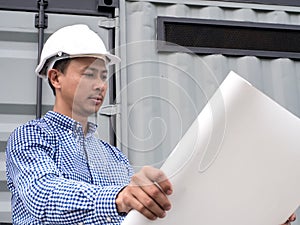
x,y
84,85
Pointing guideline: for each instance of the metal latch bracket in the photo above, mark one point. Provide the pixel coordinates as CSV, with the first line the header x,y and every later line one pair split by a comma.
x,y
110,110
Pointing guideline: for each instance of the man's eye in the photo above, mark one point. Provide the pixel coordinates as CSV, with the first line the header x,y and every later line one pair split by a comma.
x,y
88,74
104,77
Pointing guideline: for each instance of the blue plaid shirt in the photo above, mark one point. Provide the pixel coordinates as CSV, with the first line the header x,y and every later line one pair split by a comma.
x,y
59,176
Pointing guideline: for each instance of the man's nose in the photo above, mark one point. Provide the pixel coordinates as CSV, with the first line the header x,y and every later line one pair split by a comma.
x,y
100,84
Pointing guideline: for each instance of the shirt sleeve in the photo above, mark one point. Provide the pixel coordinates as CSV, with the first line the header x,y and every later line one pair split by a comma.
x,y
46,194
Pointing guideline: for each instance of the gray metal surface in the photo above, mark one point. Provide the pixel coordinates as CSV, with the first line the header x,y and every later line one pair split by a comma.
x,y
150,74
162,93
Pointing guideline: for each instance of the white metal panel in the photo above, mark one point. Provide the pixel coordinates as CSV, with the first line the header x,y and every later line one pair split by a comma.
x,y
268,75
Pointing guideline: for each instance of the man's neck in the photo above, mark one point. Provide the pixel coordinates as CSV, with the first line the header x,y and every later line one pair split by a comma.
x,y
81,119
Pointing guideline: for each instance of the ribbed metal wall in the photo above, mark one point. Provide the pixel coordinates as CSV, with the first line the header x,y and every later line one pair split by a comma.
x,y
164,92
17,60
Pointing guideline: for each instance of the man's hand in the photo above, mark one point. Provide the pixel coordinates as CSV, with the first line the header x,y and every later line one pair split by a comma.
x,y
146,193
291,219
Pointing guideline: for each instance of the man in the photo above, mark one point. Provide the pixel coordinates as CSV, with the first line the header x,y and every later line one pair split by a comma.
x,y
57,171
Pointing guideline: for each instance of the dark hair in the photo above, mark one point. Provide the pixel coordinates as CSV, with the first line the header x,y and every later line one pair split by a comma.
x,y
60,65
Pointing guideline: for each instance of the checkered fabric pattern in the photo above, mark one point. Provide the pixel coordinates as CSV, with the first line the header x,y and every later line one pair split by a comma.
x,y
59,176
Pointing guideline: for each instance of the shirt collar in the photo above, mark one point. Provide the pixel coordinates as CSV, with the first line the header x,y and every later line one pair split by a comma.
x,y
67,123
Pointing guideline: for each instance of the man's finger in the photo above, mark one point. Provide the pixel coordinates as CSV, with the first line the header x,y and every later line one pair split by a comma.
x,y
158,177
292,217
150,203
158,196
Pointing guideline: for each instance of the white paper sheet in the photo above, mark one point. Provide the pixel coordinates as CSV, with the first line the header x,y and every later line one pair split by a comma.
x,y
239,163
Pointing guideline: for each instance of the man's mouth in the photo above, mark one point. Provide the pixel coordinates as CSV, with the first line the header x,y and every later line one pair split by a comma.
x,y
96,99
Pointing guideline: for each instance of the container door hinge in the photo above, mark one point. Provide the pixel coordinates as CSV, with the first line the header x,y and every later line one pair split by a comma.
x,y
110,110
41,19
107,23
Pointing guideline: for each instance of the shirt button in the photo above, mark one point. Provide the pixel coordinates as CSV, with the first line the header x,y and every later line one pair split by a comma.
x,y
108,219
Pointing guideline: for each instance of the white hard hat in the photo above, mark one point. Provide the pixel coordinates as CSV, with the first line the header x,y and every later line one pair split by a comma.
x,y
70,42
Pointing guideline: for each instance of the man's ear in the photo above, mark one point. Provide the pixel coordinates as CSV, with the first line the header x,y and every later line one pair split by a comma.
x,y
54,78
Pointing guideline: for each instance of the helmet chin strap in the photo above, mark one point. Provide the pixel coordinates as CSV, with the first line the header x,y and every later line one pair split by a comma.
x,y
52,60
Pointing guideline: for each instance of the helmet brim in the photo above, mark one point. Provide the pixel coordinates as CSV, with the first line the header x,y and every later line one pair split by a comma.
x,y
43,67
